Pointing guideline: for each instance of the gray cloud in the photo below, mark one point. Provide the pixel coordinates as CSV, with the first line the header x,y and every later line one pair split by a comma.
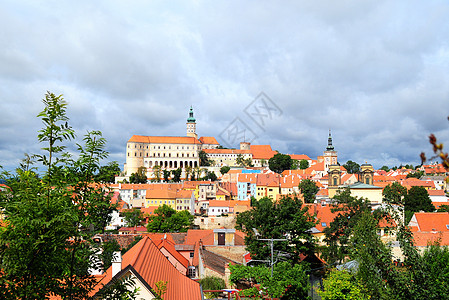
x,y
375,72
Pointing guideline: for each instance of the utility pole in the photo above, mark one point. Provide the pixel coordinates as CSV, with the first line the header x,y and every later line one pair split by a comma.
x,y
271,248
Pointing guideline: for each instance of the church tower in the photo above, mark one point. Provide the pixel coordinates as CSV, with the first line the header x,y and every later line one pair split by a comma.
x,y
191,125
330,155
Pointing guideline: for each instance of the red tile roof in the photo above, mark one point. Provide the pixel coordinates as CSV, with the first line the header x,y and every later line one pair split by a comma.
x,y
262,152
164,139
299,156
434,221
422,239
170,247
210,140
152,266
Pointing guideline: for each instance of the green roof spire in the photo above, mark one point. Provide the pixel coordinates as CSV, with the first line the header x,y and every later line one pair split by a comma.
x,y
191,119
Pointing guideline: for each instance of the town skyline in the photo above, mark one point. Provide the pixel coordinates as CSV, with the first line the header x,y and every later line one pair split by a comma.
x,y
375,73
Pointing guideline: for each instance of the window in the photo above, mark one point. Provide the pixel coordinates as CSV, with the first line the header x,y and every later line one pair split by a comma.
x,y
192,254
191,273
324,224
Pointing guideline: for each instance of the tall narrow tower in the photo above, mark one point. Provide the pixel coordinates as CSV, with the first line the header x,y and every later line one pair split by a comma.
x,y
191,124
330,155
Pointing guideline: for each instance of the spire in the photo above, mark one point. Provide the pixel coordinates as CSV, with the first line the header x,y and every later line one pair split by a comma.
x,y
329,143
191,119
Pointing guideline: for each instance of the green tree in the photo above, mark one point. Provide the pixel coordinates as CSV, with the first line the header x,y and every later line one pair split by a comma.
x,y
139,177
188,172
107,173
416,174
133,217
443,208
157,173
352,167
47,244
341,285
349,209
176,174
204,160
294,165
385,168
166,219
289,281
303,164
212,283
107,254
417,199
308,189
284,219
394,193
224,170
210,176
280,162
166,175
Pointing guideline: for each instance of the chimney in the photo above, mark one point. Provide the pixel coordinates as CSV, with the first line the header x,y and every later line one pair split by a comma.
x,y
116,263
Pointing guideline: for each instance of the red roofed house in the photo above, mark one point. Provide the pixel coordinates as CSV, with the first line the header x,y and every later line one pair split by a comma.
x,y
147,265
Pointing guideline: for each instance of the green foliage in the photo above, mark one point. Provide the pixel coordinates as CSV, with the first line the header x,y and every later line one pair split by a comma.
x,y
210,176
285,219
416,174
443,208
308,189
212,283
303,164
341,285
352,167
108,248
204,160
242,162
288,281
394,193
177,174
436,265
122,289
133,217
157,173
339,231
417,199
224,170
161,289
166,175
385,168
46,247
138,177
166,219
280,162
135,241
294,165
107,173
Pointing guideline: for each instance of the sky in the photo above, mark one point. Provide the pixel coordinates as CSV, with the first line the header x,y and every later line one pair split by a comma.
x,y
375,73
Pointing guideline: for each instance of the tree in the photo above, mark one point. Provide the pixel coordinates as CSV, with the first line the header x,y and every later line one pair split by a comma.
x,y
243,162
303,164
212,283
339,231
157,173
166,175
204,160
352,167
294,165
210,176
417,199
280,162
289,281
108,248
107,173
133,217
139,177
394,193
176,174
385,168
284,219
341,285
46,245
166,219
416,174
188,172
308,189
224,170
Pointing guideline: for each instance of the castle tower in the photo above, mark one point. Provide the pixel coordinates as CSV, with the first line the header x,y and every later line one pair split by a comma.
x,y
330,155
366,174
334,180
191,125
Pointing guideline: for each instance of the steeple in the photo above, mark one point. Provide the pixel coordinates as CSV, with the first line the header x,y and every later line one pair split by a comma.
x,y
191,124
191,119
329,143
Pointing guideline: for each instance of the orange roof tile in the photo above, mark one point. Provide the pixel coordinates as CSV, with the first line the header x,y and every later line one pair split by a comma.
x,y
163,139
422,239
152,266
210,140
436,193
434,221
195,235
262,151
170,247
299,156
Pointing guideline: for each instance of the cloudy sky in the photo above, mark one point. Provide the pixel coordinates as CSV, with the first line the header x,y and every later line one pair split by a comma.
x,y
374,72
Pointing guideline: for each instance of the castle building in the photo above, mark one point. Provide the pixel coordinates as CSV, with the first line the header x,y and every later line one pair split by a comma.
x,y
166,152
330,155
